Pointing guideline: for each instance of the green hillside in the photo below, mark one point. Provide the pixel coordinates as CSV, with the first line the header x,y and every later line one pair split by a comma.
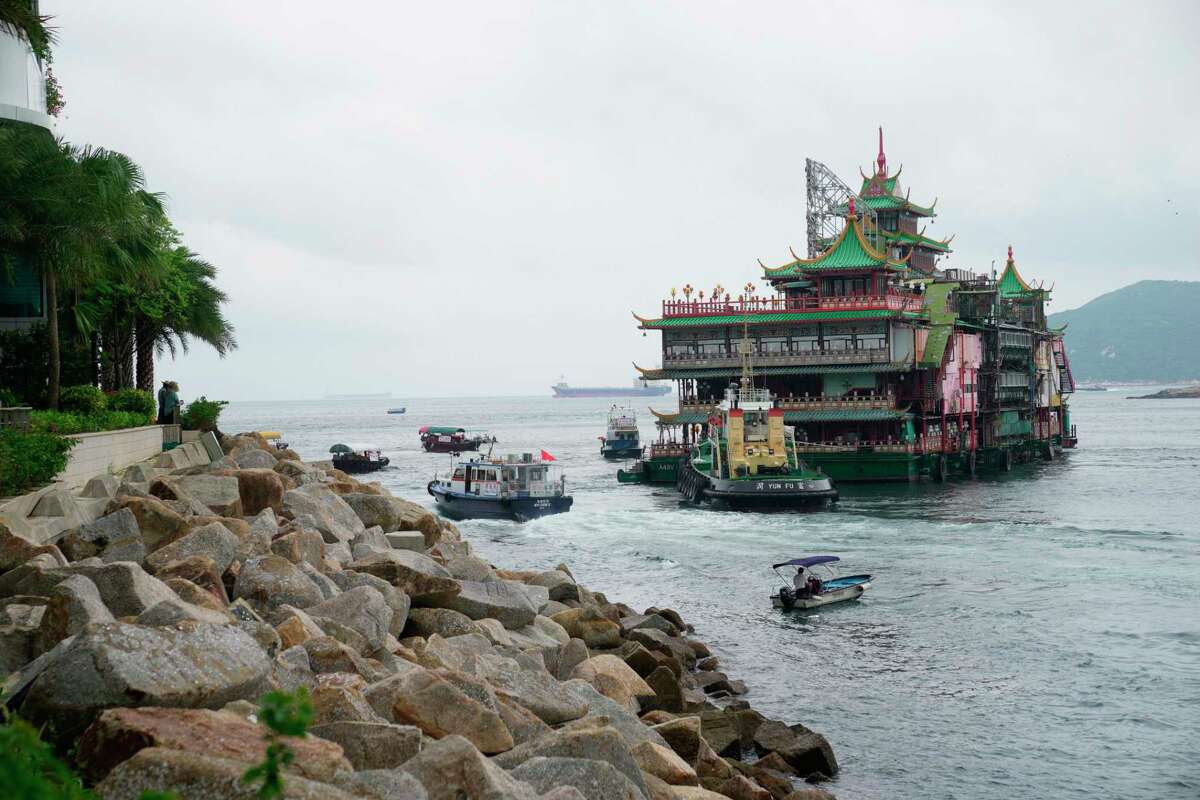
x,y
1148,331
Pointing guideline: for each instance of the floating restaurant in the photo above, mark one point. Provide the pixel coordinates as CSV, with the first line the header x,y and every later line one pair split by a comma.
x,y
887,367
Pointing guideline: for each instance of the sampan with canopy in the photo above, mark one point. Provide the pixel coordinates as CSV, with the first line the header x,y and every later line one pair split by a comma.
x,y
813,591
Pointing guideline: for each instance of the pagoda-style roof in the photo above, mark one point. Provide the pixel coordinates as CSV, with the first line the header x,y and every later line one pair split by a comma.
x,y
918,240
1011,284
769,318
850,251
891,202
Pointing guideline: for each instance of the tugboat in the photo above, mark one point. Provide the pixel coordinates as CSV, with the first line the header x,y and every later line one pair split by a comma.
x,y
662,467
516,487
749,458
622,439
358,458
444,439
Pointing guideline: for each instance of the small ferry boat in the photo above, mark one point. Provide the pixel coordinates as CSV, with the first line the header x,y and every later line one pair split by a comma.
x,y
517,487
358,458
806,590
447,439
399,410
622,438
748,458
275,438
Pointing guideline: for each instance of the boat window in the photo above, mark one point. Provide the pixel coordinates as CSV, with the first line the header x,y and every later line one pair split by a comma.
x,y
458,474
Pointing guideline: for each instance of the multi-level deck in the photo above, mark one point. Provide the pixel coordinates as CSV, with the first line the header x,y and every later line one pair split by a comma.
x,y
887,367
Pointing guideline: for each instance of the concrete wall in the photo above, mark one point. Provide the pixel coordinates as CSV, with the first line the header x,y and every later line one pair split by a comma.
x,y
98,453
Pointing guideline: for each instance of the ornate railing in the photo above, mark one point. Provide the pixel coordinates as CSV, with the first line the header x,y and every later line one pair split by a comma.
x,y
874,355
890,301
810,403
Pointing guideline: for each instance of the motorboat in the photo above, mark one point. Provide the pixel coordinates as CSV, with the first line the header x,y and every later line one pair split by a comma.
x,y
358,458
622,437
450,439
518,487
808,589
275,438
399,410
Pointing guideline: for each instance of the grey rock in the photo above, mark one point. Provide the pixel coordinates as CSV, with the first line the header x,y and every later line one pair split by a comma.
x,y
100,487
219,493
214,541
169,612
16,647
406,540
452,769
138,473
108,536
118,664
575,652
74,604
598,743
502,600
397,600
255,459
328,588
595,780
470,568
560,585
648,621
535,690
442,621
267,582
373,537
336,520
372,745
362,609
125,588
381,784
419,576
632,729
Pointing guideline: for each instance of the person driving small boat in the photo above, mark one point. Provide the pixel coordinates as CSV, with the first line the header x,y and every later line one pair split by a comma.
x,y
806,584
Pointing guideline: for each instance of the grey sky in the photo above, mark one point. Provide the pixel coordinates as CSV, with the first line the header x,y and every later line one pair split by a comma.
x,y
444,199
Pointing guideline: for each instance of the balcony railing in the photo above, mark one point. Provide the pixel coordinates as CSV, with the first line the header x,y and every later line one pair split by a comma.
x,y
891,301
810,403
872,355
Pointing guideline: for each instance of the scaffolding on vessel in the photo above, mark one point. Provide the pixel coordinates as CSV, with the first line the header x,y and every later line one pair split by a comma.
x,y
825,214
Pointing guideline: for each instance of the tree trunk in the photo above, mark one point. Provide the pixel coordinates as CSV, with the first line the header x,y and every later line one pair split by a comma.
x,y
125,337
145,355
108,360
95,361
52,334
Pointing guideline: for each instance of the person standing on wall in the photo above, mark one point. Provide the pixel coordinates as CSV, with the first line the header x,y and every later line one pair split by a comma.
x,y
168,403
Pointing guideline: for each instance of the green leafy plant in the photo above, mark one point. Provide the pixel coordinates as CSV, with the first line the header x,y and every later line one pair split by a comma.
x,y
135,401
202,414
9,398
28,768
285,714
83,399
66,424
30,460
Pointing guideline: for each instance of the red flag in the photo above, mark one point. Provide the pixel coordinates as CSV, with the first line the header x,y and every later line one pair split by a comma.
x,y
547,457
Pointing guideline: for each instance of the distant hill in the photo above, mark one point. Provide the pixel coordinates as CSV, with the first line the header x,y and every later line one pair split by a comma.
x,y
1148,331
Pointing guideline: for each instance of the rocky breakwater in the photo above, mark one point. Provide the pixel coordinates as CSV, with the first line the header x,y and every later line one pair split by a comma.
x,y
141,641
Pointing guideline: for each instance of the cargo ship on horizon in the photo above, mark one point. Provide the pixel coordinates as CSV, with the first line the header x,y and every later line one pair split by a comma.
x,y
639,388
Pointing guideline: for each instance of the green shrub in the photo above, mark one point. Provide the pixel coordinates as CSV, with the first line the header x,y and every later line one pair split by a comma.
x,y
65,423
202,414
284,714
135,401
9,398
83,399
28,768
30,460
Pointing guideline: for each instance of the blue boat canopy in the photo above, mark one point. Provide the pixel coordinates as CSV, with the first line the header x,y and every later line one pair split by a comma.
x,y
807,561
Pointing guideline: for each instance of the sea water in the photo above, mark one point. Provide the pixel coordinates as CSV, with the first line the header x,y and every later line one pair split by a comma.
x,y
1031,634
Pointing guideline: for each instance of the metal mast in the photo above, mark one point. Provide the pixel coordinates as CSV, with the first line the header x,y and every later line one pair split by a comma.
x,y
826,194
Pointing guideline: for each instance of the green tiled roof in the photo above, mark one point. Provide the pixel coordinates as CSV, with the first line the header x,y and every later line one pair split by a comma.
x,y
935,345
889,184
890,202
1011,283
850,251
916,239
670,373
794,417
761,319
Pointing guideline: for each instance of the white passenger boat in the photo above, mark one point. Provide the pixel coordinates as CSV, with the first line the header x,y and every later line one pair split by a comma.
x,y
805,589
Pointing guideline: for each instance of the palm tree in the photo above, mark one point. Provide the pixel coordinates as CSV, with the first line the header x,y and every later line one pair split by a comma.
x,y
186,305
77,214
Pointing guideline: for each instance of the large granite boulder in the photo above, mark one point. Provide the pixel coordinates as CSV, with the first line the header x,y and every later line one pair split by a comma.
x,y
119,733
452,769
424,580
363,609
535,690
595,742
125,588
336,520
610,712
255,459
393,514
219,493
267,582
560,585
117,664
157,523
595,780
382,784
202,573
213,541
505,601
258,488
114,537
442,621
614,679
74,604
372,745
807,752
420,697
194,776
